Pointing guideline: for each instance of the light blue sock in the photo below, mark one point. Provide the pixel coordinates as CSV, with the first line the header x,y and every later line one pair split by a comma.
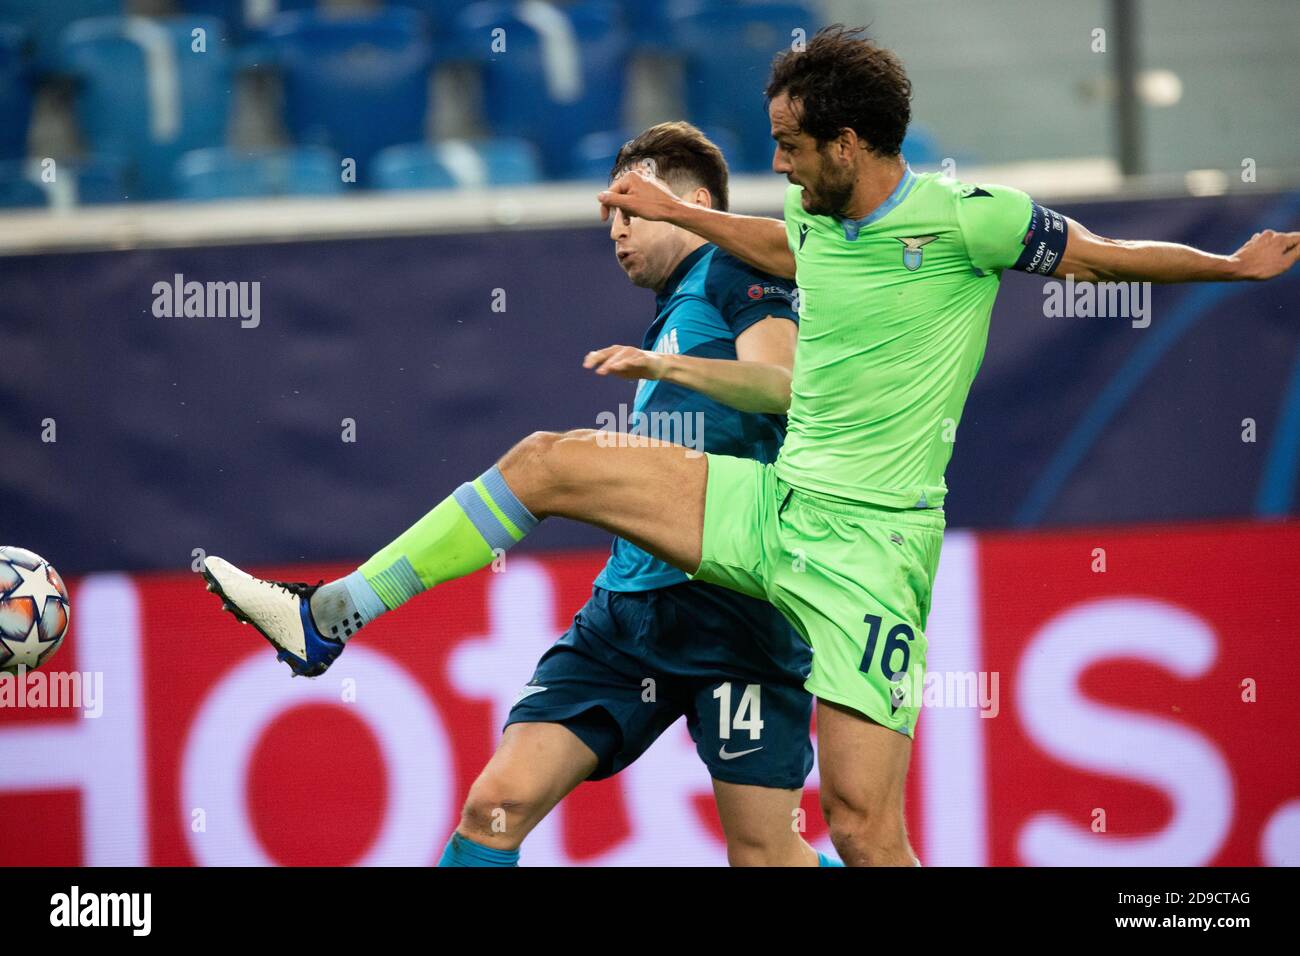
x,y
462,851
343,607
824,859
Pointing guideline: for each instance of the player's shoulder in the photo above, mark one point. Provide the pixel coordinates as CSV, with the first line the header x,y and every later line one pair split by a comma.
x,y
727,274
743,294
965,197
978,209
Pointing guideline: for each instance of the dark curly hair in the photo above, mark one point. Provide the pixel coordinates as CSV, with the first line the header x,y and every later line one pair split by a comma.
x,y
843,80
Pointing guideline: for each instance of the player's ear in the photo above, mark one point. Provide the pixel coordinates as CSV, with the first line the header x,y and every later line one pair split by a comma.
x,y
702,197
848,143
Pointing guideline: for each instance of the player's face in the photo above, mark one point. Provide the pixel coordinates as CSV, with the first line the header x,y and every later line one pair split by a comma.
x,y
647,251
827,185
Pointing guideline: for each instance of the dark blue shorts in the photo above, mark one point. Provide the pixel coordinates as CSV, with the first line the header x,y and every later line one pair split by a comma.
x,y
633,662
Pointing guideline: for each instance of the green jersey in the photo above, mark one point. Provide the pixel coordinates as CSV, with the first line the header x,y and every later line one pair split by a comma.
x,y
894,316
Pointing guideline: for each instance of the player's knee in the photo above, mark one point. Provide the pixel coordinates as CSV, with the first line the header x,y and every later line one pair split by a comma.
x,y
546,467
866,836
497,812
531,452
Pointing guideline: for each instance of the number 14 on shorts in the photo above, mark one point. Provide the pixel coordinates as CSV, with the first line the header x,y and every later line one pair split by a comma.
x,y
748,712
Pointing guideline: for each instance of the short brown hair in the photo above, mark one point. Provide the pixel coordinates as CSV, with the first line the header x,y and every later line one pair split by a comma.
x,y
684,157
842,80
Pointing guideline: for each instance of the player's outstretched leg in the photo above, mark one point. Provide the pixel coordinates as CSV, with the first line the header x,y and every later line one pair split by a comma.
x,y
652,495
535,766
863,772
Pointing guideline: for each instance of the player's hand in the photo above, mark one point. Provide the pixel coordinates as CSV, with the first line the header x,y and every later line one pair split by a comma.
x,y
1267,254
626,362
638,193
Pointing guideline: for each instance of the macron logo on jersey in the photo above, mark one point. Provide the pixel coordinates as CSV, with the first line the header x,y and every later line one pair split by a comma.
x,y
804,229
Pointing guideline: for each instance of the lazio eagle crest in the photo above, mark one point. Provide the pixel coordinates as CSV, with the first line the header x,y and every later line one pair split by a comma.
x,y
914,250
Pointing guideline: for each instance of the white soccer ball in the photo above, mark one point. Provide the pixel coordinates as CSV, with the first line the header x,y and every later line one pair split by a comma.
x,y
34,610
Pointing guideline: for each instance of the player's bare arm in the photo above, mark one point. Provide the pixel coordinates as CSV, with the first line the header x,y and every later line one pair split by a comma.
x,y
1089,257
757,380
757,240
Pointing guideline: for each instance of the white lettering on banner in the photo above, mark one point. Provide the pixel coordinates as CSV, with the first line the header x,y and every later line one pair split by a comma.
x,y
660,787
102,759
1184,765
1279,844
950,743
412,740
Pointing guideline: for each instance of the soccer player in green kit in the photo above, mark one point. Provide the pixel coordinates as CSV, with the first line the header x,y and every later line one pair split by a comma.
x,y
897,275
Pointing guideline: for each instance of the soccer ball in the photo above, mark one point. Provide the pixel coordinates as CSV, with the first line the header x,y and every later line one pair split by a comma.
x,y
34,610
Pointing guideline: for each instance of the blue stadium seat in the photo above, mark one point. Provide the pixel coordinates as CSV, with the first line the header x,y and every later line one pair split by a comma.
x,y
650,25
560,77
356,83
246,16
89,182
45,21
458,163
441,14
728,52
144,96
15,92
99,180
221,173
594,154
19,187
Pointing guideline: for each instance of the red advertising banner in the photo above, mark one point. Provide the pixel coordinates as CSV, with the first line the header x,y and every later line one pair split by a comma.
x,y
1105,697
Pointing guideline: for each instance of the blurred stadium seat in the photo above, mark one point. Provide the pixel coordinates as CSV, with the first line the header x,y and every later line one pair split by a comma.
x,y
221,173
649,25
15,92
19,189
594,154
45,21
245,16
23,183
144,96
728,54
442,17
354,83
560,76
97,181
458,163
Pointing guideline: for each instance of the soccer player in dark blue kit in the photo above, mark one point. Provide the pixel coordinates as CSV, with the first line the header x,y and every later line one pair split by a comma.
x,y
650,647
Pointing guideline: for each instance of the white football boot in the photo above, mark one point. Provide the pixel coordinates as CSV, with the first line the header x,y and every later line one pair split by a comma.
x,y
281,612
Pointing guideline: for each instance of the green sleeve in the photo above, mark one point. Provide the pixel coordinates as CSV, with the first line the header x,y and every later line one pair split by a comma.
x,y
993,221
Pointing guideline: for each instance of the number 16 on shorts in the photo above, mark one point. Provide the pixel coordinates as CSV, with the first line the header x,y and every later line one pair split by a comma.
x,y
891,667
748,712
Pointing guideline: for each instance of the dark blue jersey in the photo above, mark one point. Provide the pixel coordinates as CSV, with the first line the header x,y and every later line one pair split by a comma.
x,y
709,300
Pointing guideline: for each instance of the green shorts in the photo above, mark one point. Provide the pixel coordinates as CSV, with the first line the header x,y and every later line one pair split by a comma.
x,y
853,579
